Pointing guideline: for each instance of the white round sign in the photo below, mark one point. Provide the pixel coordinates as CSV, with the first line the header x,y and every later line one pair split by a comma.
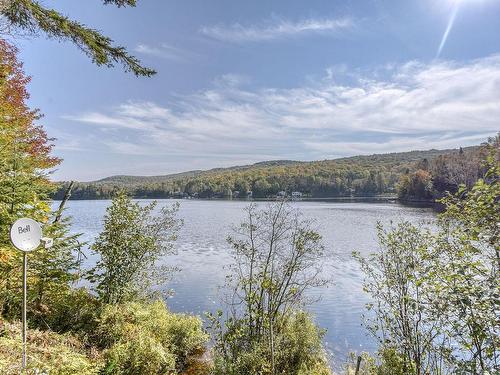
x,y
26,234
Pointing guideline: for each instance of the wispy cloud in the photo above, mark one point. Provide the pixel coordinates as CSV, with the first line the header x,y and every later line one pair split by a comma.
x,y
277,29
164,51
131,116
231,80
416,106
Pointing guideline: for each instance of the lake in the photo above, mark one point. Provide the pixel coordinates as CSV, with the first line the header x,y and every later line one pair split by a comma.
x,y
202,253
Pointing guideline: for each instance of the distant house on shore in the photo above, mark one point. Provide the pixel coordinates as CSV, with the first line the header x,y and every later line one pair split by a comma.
x,y
178,194
281,194
296,195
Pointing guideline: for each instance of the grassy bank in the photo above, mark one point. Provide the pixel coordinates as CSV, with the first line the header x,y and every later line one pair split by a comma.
x,y
132,338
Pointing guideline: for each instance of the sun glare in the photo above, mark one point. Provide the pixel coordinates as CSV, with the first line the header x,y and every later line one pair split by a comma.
x,y
455,6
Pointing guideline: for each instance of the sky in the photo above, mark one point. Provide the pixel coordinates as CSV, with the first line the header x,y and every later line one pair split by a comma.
x,y
245,81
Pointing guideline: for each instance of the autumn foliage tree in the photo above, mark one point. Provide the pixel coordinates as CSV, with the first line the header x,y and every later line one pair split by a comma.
x,y
25,165
417,185
434,179
25,147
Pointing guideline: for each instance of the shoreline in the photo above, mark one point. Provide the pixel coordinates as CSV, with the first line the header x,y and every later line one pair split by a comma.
x,y
373,199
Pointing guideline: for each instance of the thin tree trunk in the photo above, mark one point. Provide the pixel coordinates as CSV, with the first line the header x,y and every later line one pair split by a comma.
x,y
67,195
358,365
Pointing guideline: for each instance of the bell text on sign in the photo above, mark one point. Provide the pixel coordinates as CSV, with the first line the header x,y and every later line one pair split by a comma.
x,y
26,234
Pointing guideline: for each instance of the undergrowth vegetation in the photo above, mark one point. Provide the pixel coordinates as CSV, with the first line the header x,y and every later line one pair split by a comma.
x,y
49,353
148,339
130,338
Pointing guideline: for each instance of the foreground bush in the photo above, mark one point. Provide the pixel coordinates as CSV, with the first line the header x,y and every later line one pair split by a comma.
x,y
386,361
148,339
48,352
133,338
298,349
73,310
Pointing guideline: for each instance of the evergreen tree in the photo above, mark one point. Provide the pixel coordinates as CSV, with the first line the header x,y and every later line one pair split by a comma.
x,y
31,17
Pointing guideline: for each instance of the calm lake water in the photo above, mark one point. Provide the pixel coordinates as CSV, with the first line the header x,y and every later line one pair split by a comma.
x,y
202,253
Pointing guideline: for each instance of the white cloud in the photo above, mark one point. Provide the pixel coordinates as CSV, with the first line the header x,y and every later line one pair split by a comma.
x,y
164,51
138,116
416,106
277,29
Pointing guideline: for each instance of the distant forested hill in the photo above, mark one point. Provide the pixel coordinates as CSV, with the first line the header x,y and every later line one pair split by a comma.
x,y
353,176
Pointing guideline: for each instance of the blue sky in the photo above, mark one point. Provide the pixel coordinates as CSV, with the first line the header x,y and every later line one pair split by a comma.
x,y
245,81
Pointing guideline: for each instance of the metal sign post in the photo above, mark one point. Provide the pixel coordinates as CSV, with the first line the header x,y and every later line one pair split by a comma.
x,y
25,297
25,235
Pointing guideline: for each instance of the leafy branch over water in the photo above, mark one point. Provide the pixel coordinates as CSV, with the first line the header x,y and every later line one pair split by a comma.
x,y
436,295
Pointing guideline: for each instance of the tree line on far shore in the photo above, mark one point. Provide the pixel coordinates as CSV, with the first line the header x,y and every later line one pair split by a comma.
x,y
412,176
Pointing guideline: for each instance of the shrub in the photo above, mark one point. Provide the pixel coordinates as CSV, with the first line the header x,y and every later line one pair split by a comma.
x,y
131,338
142,355
298,349
366,365
386,362
48,352
148,339
396,280
74,310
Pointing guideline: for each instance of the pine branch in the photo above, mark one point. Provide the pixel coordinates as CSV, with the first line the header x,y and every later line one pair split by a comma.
x,y
121,3
31,16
